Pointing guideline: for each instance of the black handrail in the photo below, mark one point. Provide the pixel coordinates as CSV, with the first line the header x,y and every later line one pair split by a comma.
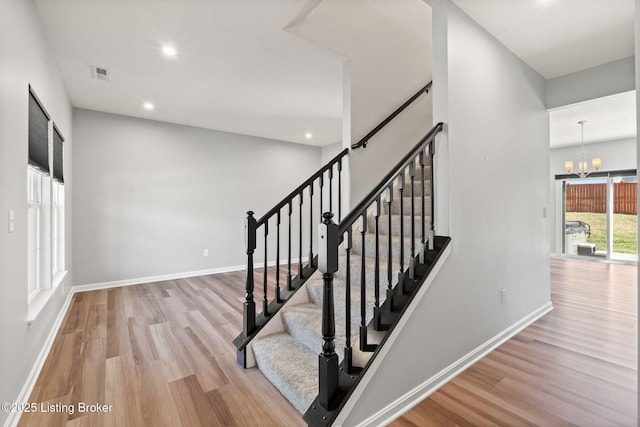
x,y
356,212
285,201
365,140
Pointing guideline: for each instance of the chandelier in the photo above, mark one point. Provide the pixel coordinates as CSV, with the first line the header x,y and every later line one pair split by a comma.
x,y
583,171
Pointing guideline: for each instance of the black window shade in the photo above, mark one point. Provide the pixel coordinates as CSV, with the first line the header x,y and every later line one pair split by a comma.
x,y
58,170
38,135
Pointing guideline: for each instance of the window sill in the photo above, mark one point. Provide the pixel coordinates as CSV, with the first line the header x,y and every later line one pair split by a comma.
x,y
58,277
38,302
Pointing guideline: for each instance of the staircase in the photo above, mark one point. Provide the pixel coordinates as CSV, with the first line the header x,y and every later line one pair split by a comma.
x,y
368,267
294,373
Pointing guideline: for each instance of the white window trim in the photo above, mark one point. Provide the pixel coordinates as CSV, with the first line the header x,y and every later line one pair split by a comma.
x,y
45,291
40,300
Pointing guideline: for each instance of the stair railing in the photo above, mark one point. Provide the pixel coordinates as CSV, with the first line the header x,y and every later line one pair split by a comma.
x,y
333,386
365,140
322,188
253,322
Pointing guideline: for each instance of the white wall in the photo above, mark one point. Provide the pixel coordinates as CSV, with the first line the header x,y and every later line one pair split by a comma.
x,y
597,82
498,159
637,74
328,152
26,59
151,196
615,155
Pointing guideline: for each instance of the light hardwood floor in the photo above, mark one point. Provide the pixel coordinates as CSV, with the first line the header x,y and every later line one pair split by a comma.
x,y
161,355
575,366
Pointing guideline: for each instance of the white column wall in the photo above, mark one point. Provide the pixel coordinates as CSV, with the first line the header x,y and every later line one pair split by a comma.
x,y
498,157
25,59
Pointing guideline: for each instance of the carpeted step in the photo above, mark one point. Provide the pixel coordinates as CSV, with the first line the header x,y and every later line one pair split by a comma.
x,y
417,188
416,177
304,323
370,246
395,205
395,224
356,275
290,366
315,292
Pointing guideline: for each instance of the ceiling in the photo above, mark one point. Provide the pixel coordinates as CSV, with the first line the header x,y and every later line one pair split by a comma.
x,y
237,69
607,119
558,37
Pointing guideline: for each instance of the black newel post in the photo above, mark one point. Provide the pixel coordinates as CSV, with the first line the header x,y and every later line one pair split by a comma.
x,y
249,318
328,265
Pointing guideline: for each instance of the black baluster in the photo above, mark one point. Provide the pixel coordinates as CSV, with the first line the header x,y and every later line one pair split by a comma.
x,y
340,190
289,284
278,295
363,285
348,351
249,312
312,229
300,270
328,359
389,198
265,301
401,271
376,276
321,184
432,234
412,258
423,241
331,189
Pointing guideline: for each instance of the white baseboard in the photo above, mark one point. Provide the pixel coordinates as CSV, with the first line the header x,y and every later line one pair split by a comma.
x,y
174,276
403,404
151,279
27,389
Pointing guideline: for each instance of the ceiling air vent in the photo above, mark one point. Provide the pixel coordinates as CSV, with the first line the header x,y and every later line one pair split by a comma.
x,y
100,73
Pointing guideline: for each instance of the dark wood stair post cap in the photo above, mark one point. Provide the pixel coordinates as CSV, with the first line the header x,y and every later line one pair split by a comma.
x,y
327,244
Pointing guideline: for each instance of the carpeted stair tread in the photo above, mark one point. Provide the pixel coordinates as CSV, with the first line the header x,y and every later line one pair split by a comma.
x,y
304,323
395,205
315,292
383,239
395,224
290,366
356,275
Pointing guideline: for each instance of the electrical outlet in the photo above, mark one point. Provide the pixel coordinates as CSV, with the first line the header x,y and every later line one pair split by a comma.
x,y
503,296
205,252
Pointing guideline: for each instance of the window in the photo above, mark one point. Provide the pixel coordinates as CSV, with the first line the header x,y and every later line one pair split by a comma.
x,y
57,206
599,215
34,198
45,207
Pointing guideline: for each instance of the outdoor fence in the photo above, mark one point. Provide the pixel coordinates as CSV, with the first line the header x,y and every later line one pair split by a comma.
x,y
593,198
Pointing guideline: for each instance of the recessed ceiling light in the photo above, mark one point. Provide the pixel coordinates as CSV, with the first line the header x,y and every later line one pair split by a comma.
x,y
169,51
148,106
308,135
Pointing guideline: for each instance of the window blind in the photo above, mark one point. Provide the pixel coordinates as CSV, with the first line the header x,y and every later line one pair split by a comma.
x,y
38,135
58,170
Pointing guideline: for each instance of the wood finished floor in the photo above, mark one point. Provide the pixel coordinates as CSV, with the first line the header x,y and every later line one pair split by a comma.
x,y
575,366
161,355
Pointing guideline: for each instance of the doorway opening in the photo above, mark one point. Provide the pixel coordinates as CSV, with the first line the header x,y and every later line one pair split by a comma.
x,y
599,217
